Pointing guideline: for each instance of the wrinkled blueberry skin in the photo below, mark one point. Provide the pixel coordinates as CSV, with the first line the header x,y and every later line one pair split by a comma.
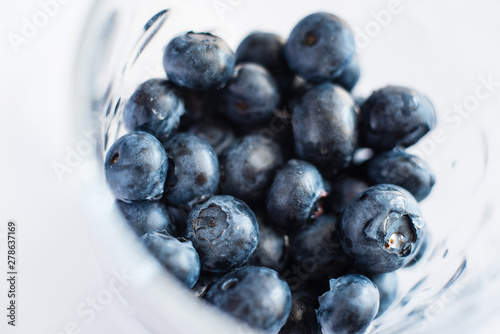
x,y
273,248
254,295
317,247
249,167
224,231
294,197
266,49
350,75
251,96
395,116
218,134
194,169
148,216
325,127
382,228
320,47
349,307
178,256
136,167
155,107
404,170
387,285
302,318
343,190
198,61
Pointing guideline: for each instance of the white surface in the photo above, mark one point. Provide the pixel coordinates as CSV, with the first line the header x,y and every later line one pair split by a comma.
x,y
58,268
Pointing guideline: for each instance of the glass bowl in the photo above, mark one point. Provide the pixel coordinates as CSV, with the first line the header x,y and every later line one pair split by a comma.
x,y
421,44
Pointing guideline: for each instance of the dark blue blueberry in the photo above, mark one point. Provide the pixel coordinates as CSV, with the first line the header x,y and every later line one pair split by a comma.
x,y
387,285
404,170
272,249
382,228
178,256
343,190
198,61
155,107
424,245
251,96
224,231
179,216
316,249
320,47
302,318
148,216
266,49
249,167
201,106
218,134
294,197
194,169
136,167
254,295
278,129
395,116
350,75
325,127
206,280
349,307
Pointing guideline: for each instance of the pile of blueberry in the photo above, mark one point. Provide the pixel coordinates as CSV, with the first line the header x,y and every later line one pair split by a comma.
x,y
240,174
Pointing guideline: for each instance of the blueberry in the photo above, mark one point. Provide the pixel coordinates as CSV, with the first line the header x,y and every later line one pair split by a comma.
x,y
198,61
194,169
302,318
420,252
349,307
350,75
254,295
404,170
201,106
224,231
178,256
325,127
272,249
179,216
320,47
294,197
148,216
155,107
218,134
316,247
249,165
266,49
382,228
206,280
395,116
278,129
251,96
343,189
136,167
387,285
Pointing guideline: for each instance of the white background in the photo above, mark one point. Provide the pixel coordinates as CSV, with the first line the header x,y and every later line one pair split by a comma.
x,y
58,269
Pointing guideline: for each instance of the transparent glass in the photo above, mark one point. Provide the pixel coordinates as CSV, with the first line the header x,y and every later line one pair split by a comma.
x,y
440,49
